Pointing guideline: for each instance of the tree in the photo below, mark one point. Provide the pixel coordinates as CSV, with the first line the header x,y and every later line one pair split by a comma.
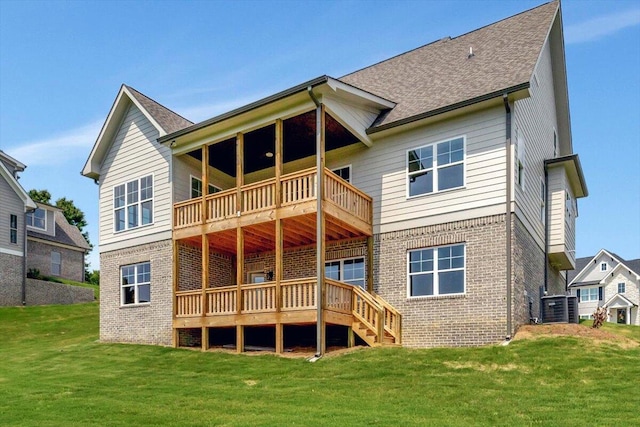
x,y
92,277
42,196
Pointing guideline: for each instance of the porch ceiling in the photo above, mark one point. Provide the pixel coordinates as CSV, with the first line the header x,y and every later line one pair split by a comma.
x,y
299,133
297,231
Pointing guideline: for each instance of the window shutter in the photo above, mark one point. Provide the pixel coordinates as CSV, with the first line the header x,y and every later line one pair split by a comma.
x,y
600,293
578,294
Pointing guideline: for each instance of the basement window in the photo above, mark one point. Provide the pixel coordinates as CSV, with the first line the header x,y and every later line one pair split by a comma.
x,y
436,271
135,283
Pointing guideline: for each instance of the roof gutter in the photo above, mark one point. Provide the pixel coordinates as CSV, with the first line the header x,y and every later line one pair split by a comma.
x,y
448,108
246,108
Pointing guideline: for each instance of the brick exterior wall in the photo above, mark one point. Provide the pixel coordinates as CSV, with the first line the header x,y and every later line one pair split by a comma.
x,y
475,318
10,279
39,256
146,323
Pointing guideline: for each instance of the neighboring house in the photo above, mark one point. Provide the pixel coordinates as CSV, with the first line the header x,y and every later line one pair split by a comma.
x,y
55,247
40,231
14,205
426,200
607,280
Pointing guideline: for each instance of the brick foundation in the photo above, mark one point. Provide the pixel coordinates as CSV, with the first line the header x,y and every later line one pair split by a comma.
x,y
149,323
10,279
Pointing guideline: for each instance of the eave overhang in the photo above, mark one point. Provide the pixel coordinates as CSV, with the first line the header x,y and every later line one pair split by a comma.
x,y
573,169
17,188
287,103
109,129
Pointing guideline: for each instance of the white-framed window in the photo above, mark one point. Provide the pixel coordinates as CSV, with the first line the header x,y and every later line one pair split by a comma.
x,y
588,294
603,266
520,159
135,283
621,288
586,316
133,204
196,187
569,206
37,219
436,271
56,264
13,229
543,201
343,172
436,167
348,270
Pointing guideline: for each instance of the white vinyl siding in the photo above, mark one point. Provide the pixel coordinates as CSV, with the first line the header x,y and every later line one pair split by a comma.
x,y
382,172
562,235
535,122
11,205
134,154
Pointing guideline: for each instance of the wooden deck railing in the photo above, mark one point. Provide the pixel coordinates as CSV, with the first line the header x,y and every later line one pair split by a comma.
x,y
372,311
295,188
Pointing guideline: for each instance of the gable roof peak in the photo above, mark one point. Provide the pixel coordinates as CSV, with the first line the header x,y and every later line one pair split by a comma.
x,y
167,119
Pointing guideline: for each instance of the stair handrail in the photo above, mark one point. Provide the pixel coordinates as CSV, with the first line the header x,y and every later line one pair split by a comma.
x,y
378,327
392,323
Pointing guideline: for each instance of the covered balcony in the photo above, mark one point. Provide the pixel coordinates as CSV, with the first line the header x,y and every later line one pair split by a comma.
x,y
264,216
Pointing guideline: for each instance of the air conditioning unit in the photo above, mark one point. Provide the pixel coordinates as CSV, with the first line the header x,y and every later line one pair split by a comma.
x,y
559,309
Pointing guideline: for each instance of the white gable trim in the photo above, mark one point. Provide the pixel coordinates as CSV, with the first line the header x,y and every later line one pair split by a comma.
x,y
620,266
110,128
590,265
624,302
17,188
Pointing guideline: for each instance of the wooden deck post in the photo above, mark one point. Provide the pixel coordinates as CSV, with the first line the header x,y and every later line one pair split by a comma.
x,y
205,285
279,235
205,181
176,283
370,264
239,238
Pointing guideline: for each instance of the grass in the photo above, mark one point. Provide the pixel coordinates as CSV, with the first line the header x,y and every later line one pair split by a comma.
x,y
54,372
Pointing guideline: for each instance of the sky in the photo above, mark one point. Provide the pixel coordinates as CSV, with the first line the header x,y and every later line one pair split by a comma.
x,y
62,64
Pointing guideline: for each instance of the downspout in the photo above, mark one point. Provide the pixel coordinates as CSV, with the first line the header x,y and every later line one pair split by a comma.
x,y
319,231
546,229
509,170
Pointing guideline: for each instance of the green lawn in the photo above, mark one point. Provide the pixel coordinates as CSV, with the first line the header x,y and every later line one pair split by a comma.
x,y
53,372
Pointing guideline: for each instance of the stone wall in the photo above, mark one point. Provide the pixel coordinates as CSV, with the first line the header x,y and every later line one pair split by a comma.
x,y
149,323
40,292
39,256
474,318
10,279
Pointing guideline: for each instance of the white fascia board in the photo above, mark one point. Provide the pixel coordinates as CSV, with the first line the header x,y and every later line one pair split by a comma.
x,y
367,97
590,264
17,188
621,266
119,108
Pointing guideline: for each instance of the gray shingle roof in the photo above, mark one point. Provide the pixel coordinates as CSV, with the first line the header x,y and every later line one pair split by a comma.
x,y
441,73
169,120
66,233
581,263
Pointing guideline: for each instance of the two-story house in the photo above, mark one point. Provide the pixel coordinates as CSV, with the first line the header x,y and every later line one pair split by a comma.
x,y
607,280
33,236
15,203
426,200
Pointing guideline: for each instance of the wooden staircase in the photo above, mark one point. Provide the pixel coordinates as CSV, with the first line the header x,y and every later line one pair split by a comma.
x,y
375,320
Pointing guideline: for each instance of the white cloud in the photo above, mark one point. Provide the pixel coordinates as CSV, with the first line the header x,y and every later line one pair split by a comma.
x,y
58,149
601,26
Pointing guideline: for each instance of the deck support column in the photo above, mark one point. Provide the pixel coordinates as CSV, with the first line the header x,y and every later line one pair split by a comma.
x,y
205,285
204,181
239,238
370,264
279,235
320,228
176,270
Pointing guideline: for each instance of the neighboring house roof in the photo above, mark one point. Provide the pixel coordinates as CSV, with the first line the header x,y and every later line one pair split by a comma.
x,y
582,265
444,73
15,164
619,301
163,119
65,233
15,186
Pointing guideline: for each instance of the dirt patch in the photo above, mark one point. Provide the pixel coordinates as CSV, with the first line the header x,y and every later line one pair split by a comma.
x,y
486,367
573,330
